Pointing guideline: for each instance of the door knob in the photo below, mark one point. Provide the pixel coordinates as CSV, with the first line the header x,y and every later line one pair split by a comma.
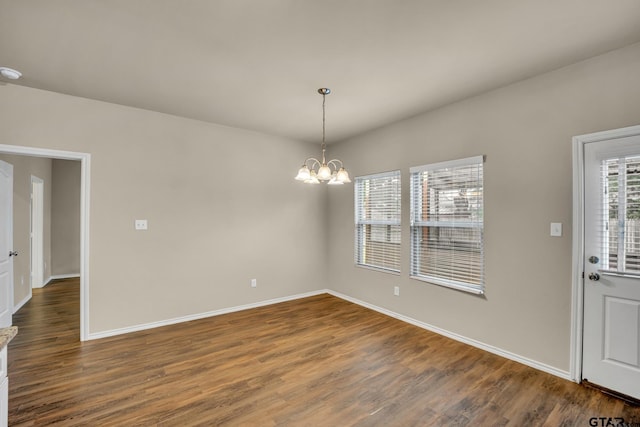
x,y
13,253
594,276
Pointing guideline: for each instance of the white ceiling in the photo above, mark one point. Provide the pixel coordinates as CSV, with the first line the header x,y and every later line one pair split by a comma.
x,y
257,64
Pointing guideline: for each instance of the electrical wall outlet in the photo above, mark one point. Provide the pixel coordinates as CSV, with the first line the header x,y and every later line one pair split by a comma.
x,y
254,283
396,291
141,224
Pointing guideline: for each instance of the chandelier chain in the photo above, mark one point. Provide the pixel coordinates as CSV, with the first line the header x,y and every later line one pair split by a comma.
x,y
324,145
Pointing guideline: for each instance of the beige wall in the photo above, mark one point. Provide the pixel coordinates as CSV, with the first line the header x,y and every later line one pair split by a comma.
x,y
23,168
65,217
221,204
525,131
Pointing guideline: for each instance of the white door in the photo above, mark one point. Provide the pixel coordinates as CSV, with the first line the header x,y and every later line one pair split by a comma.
x,y
611,342
6,243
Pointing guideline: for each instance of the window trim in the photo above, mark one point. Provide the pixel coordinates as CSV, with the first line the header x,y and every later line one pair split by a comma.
x,y
416,200
467,161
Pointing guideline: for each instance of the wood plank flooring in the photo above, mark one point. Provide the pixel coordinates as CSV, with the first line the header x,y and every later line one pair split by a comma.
x,y
319,361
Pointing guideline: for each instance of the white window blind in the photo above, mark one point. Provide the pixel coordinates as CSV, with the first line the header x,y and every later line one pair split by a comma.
x,y
447,224
377,219
620,216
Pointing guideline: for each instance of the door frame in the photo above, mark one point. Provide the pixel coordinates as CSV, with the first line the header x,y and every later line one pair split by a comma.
x,y
36,239
85,187
577,289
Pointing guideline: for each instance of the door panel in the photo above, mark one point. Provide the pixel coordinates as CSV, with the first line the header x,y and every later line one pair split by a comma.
x,y
621,327
611,344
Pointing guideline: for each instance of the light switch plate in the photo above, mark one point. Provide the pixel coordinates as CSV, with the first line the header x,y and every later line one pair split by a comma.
x,y
141,224
556,229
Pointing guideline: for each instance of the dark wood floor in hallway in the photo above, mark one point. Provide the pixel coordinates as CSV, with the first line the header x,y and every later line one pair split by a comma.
x,y
319,361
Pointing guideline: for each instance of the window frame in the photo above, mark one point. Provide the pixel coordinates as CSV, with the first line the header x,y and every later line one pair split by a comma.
x,y
359,223
417,224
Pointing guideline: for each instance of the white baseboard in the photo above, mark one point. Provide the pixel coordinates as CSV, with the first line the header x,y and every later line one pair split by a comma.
x,y
478,344
144,326
21,303
486,347
60,276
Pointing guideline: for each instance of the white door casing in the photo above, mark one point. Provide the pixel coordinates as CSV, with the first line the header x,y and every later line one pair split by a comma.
x,y
6,244
611,285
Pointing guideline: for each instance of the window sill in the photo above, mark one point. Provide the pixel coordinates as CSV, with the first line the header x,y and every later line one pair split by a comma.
x,y
450,284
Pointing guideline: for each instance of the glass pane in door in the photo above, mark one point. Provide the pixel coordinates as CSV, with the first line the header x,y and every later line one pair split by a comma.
x,y
620,230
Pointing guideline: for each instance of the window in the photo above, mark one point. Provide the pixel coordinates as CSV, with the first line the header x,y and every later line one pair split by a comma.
x,y
447,224
377,208
620,220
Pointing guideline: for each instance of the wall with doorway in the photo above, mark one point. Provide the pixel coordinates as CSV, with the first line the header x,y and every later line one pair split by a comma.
x,y
221,203
23,168
65,218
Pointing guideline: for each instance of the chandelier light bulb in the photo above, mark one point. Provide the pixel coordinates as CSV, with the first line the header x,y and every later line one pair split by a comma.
x,y
343,176
324,173
334,180
313,178
303,173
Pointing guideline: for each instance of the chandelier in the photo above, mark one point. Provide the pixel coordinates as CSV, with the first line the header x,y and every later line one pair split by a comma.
x,y
313,170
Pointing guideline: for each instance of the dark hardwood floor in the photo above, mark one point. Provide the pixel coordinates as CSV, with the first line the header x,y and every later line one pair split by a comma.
x,y
319,361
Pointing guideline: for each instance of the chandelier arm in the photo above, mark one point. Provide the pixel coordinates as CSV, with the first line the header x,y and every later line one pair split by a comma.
x,y
333,162
314,162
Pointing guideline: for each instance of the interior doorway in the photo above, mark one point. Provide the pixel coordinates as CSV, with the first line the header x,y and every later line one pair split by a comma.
x,y
85,161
